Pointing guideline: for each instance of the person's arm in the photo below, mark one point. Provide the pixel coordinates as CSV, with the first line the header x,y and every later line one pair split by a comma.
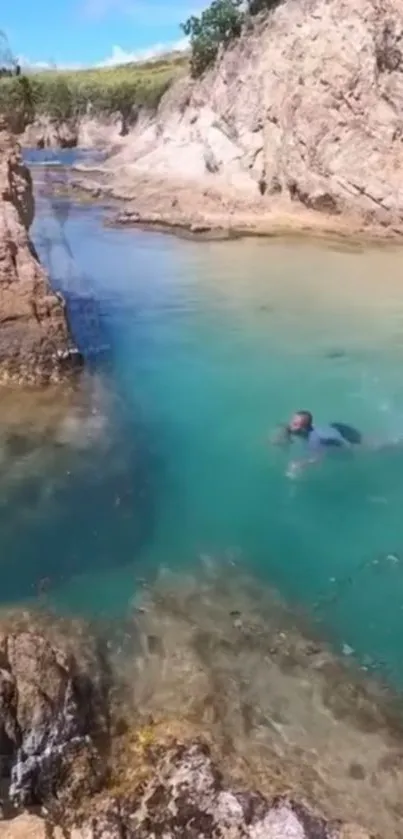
x,y
281,437
314,455
296,466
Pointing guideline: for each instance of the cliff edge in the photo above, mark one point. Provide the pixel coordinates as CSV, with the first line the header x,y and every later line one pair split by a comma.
x,y
35,344
301,118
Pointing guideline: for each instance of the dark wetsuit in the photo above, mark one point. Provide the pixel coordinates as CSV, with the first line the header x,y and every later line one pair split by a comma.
x,y
334,435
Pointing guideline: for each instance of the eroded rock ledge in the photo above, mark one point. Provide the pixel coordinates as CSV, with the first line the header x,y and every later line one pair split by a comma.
x,y
35,343
186,799
82,760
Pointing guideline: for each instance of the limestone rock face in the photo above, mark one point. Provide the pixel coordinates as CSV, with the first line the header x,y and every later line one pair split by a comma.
x,y
47,133
35,344
304,109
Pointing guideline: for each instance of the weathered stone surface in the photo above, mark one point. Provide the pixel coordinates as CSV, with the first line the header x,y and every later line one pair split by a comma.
x,y
51,707
302,115
284,714
35,344
164,779
186,799
47,133
27,827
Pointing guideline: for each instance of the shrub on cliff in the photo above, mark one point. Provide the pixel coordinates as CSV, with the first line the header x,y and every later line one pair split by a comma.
x,y
219,24
17,105
55,97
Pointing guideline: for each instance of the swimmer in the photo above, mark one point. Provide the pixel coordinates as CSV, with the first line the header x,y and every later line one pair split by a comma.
x,y
318,439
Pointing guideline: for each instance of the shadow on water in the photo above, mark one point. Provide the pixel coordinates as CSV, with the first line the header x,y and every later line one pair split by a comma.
x,y
75,511
78,492
56,252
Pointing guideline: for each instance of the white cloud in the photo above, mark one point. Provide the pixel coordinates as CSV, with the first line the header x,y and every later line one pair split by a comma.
x,y
118,56
26,64
36,66
121,56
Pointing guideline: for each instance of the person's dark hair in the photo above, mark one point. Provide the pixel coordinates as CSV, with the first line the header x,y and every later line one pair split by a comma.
x,y
305,429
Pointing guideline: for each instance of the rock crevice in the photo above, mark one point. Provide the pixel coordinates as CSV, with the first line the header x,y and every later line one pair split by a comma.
x,y
35,344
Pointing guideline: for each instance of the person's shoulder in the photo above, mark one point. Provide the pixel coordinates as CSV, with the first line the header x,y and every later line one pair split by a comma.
x,y
314,438
328,432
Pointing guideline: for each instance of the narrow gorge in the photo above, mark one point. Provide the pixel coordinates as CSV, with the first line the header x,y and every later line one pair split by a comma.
x,y
36,347
191,644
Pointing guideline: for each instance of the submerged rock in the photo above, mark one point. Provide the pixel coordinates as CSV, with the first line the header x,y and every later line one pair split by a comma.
x,y
234,733
35,342
285,714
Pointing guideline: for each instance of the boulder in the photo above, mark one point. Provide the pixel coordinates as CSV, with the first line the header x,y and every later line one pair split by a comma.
x,y
52,717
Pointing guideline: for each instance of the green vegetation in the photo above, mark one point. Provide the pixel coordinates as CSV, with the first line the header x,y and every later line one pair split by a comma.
x,y
217,26
66,95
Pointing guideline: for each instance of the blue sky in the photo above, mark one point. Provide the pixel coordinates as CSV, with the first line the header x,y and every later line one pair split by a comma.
x,y
89,32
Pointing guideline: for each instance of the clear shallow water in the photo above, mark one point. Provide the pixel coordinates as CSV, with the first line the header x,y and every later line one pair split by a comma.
x,y
211,345
61,157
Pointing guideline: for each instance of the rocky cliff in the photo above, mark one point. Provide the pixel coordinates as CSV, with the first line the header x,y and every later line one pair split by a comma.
x,y
35,345
300,119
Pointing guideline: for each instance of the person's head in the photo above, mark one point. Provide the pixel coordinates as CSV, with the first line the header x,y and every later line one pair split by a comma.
x,y
301,423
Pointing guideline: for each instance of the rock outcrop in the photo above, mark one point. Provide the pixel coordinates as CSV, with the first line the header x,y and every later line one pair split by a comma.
x,y
82,751
52,712
35,344
186,798
50,133
302,114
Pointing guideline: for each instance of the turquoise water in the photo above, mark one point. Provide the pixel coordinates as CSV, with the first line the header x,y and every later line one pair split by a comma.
x,y
210,346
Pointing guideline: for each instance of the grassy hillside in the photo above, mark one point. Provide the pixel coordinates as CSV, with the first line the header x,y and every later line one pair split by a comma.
x,y
67,94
